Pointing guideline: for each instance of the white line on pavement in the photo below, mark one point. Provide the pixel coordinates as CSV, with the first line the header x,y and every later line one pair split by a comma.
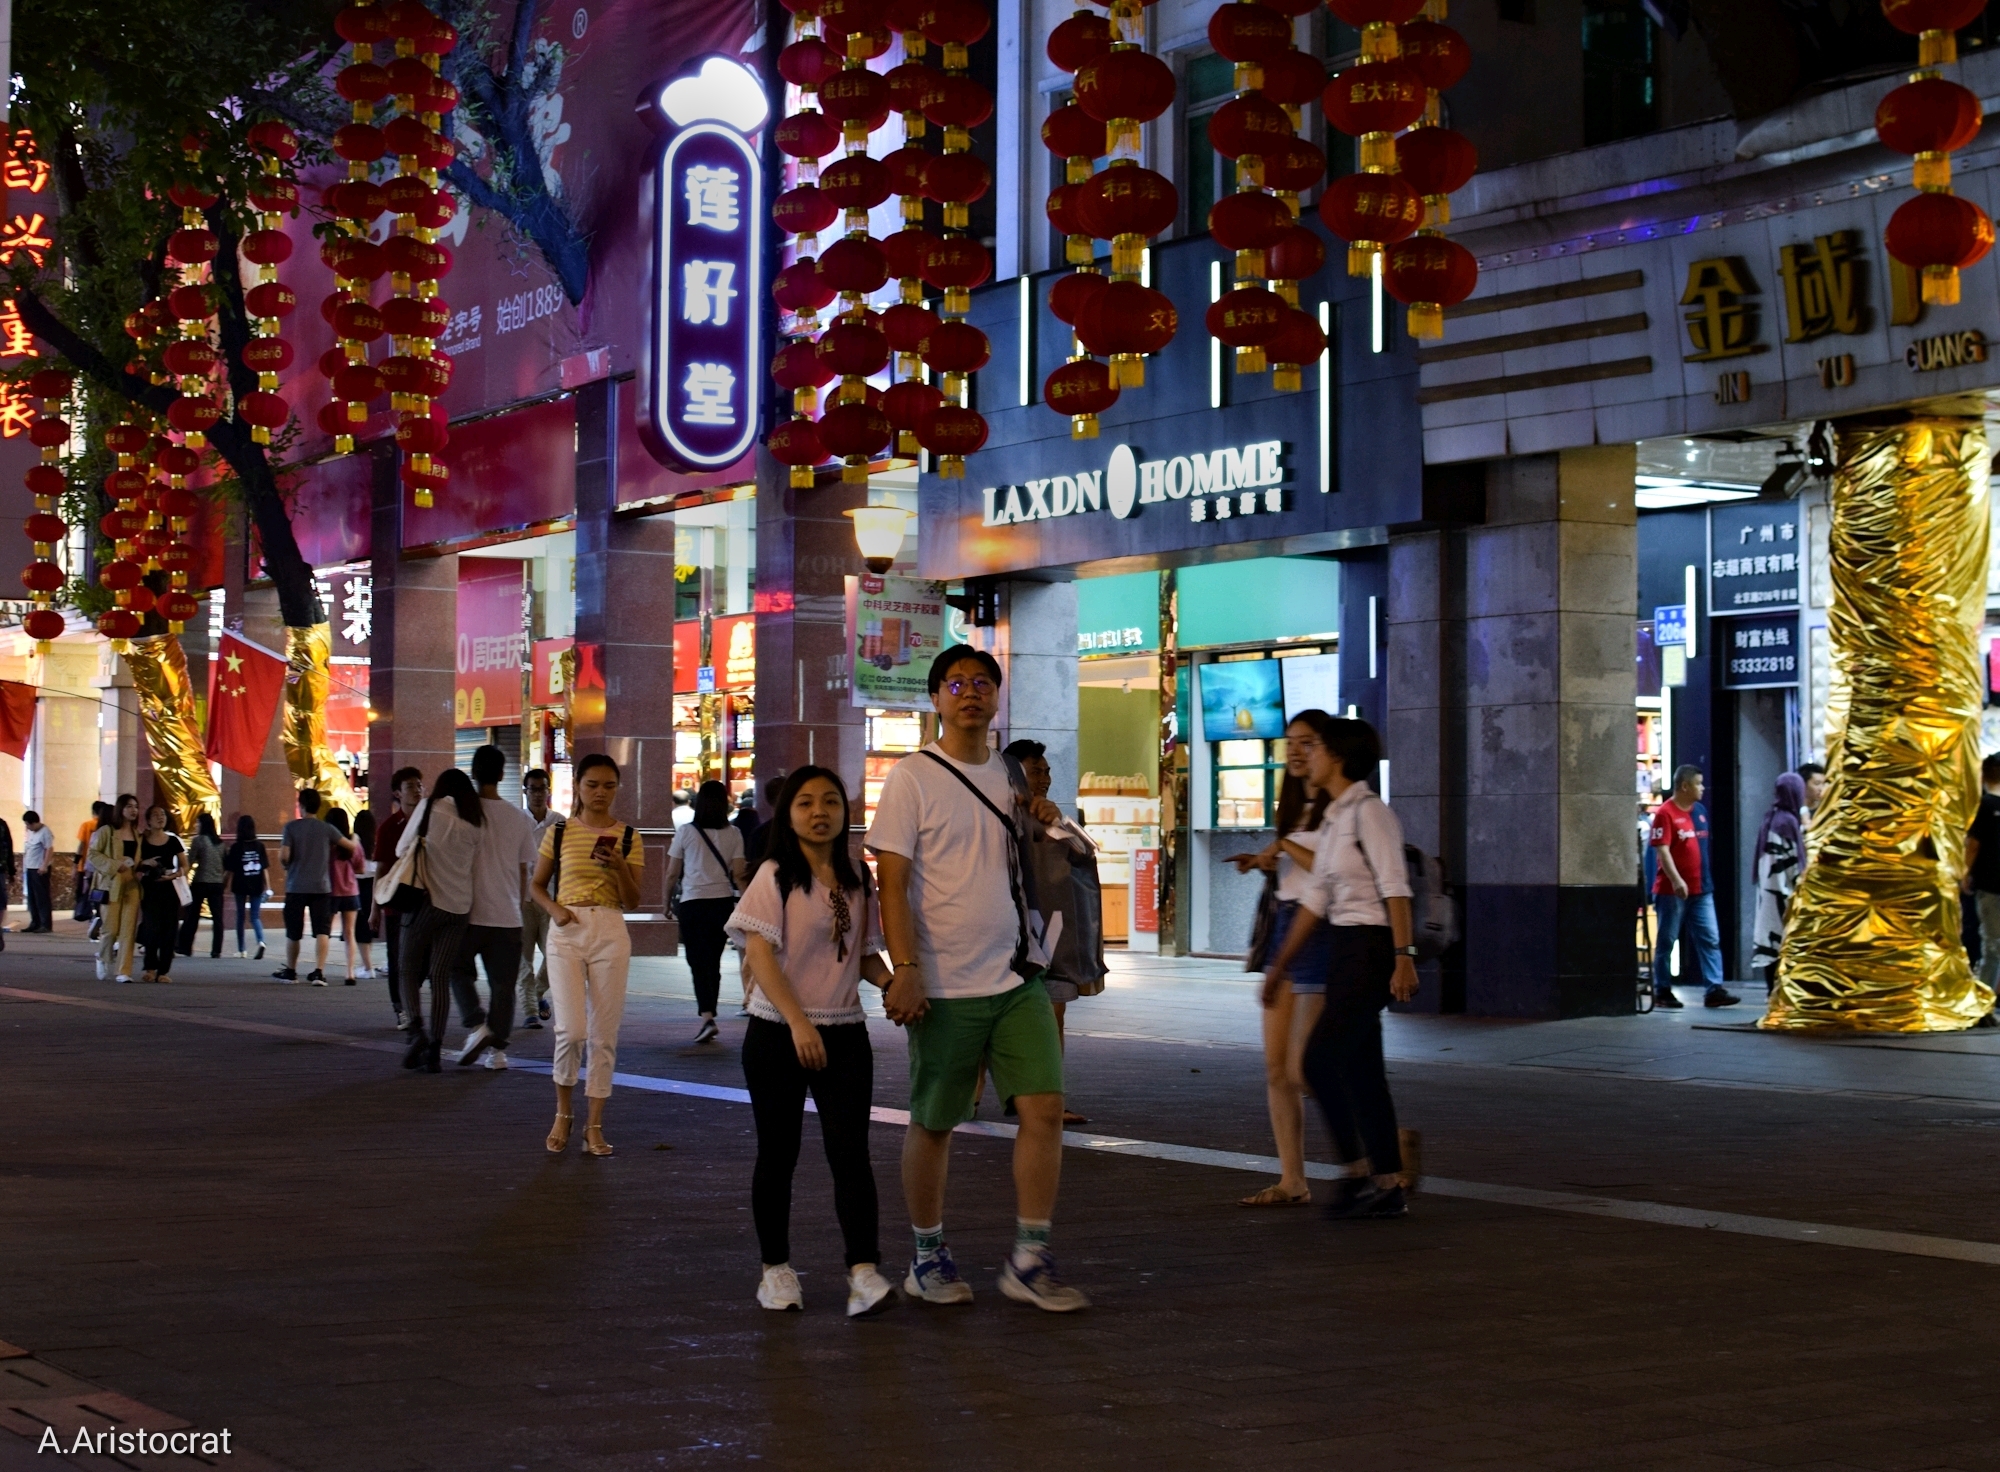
x,y
1912,1244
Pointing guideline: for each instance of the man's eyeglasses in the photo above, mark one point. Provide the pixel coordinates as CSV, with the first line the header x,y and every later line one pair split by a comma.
x,y
977,685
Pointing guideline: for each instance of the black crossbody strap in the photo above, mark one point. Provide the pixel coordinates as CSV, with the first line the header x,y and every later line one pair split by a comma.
x,y
555,864
1014,881
709,844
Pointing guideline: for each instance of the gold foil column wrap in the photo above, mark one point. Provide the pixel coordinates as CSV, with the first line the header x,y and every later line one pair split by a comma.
x,y
167,716
1873,937
307,754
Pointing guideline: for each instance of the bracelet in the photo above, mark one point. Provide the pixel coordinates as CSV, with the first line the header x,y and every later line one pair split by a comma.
x,y
905,966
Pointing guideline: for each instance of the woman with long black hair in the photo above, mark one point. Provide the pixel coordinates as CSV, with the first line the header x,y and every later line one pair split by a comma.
x,y
1290,1012
706,860
1360,889
447,825
204,875
811,930
247,863
160,865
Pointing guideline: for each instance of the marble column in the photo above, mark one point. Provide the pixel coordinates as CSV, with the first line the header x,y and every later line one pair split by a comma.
x,y
1041,677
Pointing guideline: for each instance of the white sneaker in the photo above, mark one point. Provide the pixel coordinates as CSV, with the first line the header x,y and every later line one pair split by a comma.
x,y
100,968
496,1059
1037,1284
473,1044
935,1279
364,974
780,1290
868,1292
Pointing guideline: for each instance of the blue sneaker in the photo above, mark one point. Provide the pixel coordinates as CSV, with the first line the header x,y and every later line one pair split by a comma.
x,y
935,1279
1038,1284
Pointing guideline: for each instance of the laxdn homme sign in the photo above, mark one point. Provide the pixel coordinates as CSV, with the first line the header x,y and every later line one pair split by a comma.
x,y
1215,486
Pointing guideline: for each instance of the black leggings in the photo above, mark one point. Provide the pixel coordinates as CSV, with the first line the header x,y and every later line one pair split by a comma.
x,y
431,943
159,925
701,932
842,1091
1343,1057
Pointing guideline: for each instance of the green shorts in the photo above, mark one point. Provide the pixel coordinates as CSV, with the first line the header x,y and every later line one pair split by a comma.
x,y
1012,1034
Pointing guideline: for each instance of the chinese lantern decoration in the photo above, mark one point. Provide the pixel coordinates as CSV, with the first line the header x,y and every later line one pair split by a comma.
x,y
1244,129
1936,233
191,360
1428,273
915,87
416,373
46,483
1082,388
1289,166
356,203
1297,342
267,354
806,137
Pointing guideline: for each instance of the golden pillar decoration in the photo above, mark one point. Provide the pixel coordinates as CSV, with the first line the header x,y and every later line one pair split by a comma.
x,y
1872,941
167,710
307,754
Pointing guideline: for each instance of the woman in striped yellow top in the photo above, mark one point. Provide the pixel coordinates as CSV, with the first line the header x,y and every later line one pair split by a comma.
x,y
586,879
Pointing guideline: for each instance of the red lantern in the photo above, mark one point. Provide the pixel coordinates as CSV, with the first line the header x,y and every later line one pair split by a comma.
x,y
363,81
271,300
1293,78
1436,161
800,289
1359,13
1934,23
120,485
1079,41
359,143
907,403
913,86
358,383
955,22
1072,294
1125,86
1373,102
189,194
193,415
796,443
1062,209
1248,220
417,377
1248,317
1929,118
1124,322
120,575
350,257
1370,211
797,365
806,135
855,264
410,316
955,347
267,247
1248,32
1125,204
192,247
1939,234
1439,53
178,607
354,199
125,439
854,432
1082,389
1248,124
43,577
189,355
951,433
423,434
273,194
119,623
1070,132
906,170
906,250
1429,273
957,261
959,102
808,62
1298,341
803,210
957,178
43,625
358,320
265,410
857,182
139,601
906,325
856,96
853,350
177,460
45,527
420,260
1297,254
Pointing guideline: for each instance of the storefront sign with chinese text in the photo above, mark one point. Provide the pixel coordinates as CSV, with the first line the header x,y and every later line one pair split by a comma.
x,y
1753,557
1759,652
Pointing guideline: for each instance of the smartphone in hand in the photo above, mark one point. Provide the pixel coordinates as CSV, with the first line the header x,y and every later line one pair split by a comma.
x,y
604,848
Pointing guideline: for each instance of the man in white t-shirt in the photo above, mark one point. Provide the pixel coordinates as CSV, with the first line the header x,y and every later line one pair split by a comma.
x,y
534,974
943,837
500,869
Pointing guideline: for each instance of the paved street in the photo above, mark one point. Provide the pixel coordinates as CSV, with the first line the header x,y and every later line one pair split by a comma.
x,y
1656,1241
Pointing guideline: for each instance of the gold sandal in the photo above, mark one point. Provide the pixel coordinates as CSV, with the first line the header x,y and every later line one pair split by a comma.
x,y
1276,1196
557,1146
602,1147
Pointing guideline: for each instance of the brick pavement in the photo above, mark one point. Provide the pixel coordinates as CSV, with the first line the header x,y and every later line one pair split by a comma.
x,y
352,1267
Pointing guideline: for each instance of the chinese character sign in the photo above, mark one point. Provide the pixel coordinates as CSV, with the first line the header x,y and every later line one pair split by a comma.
x,y
1754,557
1759,652
895,628
701,395
492,643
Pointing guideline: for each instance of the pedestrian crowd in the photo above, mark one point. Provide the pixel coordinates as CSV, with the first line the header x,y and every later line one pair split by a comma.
x,y
454,880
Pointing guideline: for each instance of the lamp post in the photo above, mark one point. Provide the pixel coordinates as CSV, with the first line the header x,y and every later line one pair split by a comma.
x,y
878,532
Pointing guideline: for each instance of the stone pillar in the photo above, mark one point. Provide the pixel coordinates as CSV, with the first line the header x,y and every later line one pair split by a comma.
x,y
625,607
805,551
1041,678
412,647
1549,848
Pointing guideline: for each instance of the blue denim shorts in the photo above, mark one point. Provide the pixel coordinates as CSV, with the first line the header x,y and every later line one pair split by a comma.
x,y
1308,968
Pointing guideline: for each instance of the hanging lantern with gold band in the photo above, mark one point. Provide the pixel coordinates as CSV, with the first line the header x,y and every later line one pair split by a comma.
x,y
1288,167
1082,388
46,482
1244,129
1937,233
355,203
915,86
273,196
805,136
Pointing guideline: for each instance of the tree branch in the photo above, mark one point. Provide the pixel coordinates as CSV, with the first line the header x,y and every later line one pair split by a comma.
x,y
525,16
85,358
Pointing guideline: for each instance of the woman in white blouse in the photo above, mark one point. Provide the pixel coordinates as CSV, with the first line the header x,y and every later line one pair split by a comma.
x,y
447,824
810,929
1359,887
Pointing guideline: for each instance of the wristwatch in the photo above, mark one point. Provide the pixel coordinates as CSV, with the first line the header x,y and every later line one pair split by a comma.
x,y
1410,951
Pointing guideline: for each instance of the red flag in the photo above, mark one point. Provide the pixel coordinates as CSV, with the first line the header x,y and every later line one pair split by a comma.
x,y
17,718
242,702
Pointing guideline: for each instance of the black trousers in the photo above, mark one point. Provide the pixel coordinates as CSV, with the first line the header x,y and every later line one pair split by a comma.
x,y
1343,1056
842,1091
499,948
41,914
430,952
701,932
394,923
159,925
211,896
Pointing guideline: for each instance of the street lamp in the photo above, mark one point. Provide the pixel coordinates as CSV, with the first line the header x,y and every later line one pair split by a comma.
x,y
878,532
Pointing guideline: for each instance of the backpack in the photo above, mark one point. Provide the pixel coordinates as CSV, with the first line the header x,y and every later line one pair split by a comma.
x,y
1433,909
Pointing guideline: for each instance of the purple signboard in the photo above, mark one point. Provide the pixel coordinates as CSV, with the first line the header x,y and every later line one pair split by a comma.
x,y
700,387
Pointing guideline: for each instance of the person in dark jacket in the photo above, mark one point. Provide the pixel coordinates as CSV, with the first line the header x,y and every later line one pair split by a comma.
x,y
247,864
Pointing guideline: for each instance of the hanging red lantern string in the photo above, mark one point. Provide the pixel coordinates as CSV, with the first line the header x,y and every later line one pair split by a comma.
x,y
267,354
356,203
1937,233
1081,388
46,482
416,373
1244,129
805,136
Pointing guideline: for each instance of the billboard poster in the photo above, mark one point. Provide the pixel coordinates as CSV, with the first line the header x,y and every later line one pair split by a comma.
x,y
895,628
491,643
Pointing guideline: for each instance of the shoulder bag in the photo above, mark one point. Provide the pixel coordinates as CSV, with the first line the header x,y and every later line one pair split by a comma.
x,y
1022,962
405,885
708,843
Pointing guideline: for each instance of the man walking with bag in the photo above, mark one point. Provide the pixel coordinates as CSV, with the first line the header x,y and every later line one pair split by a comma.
x,y
945,841
500,870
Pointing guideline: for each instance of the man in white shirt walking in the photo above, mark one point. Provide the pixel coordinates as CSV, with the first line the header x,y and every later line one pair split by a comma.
x,y
500,870
944,841
534,973
38,852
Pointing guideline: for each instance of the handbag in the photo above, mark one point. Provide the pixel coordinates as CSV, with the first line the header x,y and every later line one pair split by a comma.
x,y
181,890
1263,929
405,884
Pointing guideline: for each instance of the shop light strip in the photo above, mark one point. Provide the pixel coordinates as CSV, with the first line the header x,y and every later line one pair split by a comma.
x,y
1214,343
1371,636
1325,400
1027,341
1375,304
1689,599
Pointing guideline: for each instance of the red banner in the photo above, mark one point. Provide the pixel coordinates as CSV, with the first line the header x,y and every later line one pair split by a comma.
x,y
490,642
17,718
244,688
733,645
548,687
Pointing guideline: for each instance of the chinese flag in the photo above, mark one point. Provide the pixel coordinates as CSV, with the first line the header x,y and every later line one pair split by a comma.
x,y
242,703
17,718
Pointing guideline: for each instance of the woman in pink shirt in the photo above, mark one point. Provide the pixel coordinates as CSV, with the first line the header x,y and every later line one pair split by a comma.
x,y
810,931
